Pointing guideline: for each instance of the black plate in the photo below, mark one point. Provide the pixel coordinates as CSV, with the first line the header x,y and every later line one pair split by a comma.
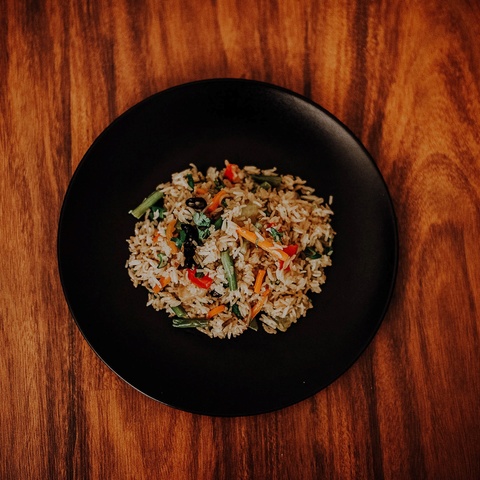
x,y
204,123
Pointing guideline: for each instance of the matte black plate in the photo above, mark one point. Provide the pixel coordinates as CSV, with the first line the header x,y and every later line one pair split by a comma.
x,y
205,123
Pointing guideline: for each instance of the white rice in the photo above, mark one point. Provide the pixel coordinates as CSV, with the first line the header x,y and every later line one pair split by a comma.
x,y
302,219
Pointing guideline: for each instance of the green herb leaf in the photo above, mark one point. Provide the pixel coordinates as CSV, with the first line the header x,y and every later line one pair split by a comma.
x,y
190,181
178,241
277,236
201,220
203,233
161,212
218,223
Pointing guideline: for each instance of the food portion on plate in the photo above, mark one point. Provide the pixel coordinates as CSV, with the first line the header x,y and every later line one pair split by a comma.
x,y
231,249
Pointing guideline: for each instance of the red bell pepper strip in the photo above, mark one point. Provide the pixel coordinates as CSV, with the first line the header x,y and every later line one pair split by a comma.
x,y
290,250
231,172
202,282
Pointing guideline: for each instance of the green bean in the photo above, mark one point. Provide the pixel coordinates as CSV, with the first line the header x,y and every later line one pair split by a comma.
x,y
227,263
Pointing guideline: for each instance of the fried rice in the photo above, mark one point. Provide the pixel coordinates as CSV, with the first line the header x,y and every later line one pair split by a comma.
x,y
231,249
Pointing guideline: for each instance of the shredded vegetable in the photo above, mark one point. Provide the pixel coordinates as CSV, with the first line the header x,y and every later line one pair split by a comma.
x,y
216,310
266,245
216,200
259,280
169,233
259,305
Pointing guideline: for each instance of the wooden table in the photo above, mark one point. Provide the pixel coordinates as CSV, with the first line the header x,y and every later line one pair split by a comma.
x,y
404,76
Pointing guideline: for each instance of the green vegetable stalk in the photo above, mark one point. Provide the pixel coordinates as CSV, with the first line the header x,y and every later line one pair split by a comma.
x,y
148,202
179,311
227,263
273,180
189,322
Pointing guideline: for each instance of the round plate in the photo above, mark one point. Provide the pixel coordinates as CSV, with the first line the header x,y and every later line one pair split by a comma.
x,y
249,123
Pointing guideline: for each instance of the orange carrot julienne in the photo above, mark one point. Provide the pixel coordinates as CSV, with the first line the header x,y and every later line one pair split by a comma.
x,y
216,310
164,281
266,245
200,191
216,201
156,237
259,280
259,305
169,234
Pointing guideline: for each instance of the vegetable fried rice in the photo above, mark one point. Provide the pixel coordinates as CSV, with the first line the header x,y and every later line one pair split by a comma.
x,y
232,249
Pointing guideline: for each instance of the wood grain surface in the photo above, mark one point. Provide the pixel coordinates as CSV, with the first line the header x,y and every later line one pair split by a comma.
x,y
404,76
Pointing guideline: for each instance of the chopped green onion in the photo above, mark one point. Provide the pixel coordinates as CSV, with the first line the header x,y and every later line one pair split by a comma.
x,y
265,186
202,222
179,311
162,260
227,263
273,180
148,202
189,322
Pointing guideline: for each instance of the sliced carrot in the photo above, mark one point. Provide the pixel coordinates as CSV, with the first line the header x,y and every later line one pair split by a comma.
x,y
169,234
164,281
156,237
259,305
200,191
266,245
216,310
214,204
259,280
